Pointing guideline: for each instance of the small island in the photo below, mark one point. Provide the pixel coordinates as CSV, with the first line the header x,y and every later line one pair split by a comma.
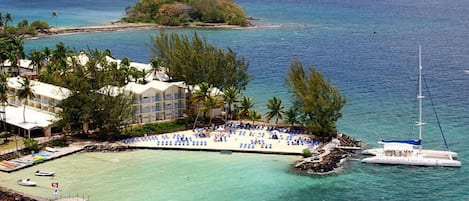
x,y
187,13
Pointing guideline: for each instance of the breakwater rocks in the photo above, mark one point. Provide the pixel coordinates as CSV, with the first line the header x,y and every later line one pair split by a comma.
x,y
106,147
330,157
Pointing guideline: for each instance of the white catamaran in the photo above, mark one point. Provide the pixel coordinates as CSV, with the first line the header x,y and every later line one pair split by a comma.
x,y
410,152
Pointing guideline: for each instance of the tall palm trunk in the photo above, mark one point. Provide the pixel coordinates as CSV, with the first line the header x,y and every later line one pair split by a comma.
x,y
24,112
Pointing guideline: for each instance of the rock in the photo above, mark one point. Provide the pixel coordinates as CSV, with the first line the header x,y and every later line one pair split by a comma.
x,y
106,147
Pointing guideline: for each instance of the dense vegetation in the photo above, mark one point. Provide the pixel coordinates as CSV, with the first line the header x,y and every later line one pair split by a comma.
x,y
183,12
198,63
22,28
316,102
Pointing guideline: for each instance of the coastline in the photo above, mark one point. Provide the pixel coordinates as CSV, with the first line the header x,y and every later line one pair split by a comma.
x,y
120,26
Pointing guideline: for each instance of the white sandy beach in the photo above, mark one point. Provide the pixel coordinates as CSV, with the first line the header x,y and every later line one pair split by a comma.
x,y
229,139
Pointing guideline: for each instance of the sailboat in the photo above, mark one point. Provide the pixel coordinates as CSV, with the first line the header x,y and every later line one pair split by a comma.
x,y
410,152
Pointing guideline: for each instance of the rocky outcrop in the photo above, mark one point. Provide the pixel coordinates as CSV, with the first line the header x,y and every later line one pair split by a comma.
x,y
331,160
106,147
329,163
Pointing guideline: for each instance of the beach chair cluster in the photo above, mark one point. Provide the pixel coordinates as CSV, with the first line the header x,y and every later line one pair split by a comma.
x,y
253,143
168,140
299,141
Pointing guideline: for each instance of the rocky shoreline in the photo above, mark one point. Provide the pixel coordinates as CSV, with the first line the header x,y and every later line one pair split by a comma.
x,y
330,162
106,147
119,26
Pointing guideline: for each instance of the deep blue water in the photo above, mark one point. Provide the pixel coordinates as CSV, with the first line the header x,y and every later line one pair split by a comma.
x,y
377,72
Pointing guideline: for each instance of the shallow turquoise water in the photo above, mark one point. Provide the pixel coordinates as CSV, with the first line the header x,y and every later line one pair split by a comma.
x,y
376,71
165,175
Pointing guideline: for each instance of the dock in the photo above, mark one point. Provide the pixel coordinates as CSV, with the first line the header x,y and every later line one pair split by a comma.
x,y
32,159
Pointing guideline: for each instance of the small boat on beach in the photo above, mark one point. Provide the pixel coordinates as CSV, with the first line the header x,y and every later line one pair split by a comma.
x,y
44,173
50,149
26,182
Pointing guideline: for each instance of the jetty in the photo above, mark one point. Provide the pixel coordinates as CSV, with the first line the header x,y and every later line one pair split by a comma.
x,y
36,158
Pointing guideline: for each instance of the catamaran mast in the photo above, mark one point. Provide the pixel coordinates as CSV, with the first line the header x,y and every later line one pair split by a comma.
x,y
420,96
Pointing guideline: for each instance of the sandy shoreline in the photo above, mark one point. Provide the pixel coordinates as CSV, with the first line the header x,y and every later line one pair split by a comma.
x,y
125,26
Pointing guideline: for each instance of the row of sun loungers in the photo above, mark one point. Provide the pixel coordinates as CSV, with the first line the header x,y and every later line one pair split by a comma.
x,y
252,146
262,127
181,143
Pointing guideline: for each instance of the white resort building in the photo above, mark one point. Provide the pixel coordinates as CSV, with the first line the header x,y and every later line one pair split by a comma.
x,y
155,100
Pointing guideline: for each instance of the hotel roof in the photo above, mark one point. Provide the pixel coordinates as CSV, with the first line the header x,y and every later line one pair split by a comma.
x,y
34,119
158,85
41,88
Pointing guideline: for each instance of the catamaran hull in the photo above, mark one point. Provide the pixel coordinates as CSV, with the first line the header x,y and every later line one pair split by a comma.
x,y
412,161
426,152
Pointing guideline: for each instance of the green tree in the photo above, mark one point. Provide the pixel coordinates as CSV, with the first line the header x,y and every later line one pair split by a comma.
x,y
31,144
317,99
275,108
208,105
194,61
55,15
4,98
8,18
25,93
199,97
92,104
291,116
22,24
245,106
155,65
37,58
4,51
253,115
16,53
230,96
1,20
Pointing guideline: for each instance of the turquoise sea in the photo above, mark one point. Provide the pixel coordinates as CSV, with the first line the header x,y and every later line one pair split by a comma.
x,y
367,48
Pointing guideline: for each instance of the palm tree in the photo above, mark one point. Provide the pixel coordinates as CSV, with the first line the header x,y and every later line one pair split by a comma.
x,y
25,93
4,52
200,96
230,96
55,15
37,60
245,106
210,103
8,18
254,115
155,65
291,116
275,108
1,21
3,95
16,52
125,70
